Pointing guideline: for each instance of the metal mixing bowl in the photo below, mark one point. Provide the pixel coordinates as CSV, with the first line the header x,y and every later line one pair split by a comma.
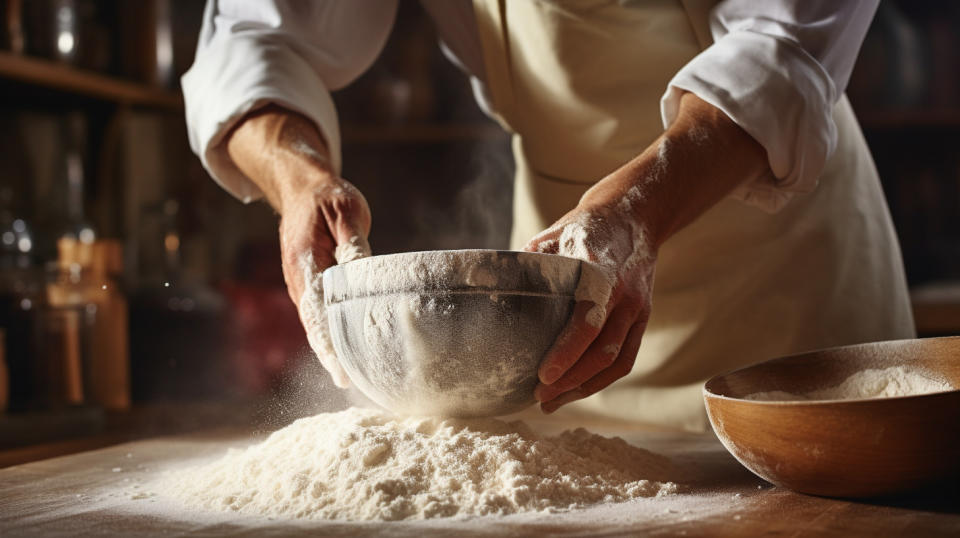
x,y
453,333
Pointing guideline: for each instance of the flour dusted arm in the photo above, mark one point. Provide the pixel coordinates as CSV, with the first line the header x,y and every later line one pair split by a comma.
x,y
619,225
777,68
290,53
260,116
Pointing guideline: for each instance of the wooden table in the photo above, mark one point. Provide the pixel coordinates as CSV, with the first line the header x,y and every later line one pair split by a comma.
x,y
106,492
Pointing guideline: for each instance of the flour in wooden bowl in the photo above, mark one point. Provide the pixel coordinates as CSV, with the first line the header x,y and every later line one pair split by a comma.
x,y
362,464
888,382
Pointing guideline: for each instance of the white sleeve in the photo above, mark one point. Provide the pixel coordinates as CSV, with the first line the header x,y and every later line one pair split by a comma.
x,y
777,68
290,53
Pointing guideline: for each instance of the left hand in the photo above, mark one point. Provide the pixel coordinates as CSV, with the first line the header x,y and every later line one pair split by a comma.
x,y
600,342
619,225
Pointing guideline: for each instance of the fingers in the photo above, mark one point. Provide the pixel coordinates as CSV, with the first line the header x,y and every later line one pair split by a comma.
x,y
308,246
563,399
547,242
573,341
620,367
345,212
600,355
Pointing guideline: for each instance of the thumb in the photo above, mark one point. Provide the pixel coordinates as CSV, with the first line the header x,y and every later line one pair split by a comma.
x,y
348,220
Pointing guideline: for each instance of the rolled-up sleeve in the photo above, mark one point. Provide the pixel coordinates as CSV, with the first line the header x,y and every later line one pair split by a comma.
x,y
777,68
256,52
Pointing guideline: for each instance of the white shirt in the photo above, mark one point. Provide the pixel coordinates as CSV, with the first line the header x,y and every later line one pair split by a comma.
x,y
777,67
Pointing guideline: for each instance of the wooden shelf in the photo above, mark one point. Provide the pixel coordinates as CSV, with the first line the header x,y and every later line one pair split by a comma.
x,y
61,77
936,308
910,118
421,133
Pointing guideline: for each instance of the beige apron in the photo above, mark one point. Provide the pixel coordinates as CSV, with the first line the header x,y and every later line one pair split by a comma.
x,y
579,83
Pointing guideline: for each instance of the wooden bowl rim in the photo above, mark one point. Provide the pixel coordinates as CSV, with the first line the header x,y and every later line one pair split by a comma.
x,y
708,391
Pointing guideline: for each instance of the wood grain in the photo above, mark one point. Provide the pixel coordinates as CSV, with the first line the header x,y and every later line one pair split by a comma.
x,y
81,495
62,77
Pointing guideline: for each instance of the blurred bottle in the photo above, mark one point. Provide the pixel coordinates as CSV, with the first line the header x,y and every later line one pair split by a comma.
x,y
13,39
88,281
4,375
59,366
149,42
20,296
176,318
63,213
70,31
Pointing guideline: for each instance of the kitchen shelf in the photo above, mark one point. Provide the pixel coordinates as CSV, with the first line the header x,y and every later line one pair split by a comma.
x,y
910,118
61,77
936,308
424,133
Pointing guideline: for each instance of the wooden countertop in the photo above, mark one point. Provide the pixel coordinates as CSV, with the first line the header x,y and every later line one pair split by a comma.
x,y
141,422
101,493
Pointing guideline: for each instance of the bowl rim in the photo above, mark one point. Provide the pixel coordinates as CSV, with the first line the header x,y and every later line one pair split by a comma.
x,y
463,289
708,392
459,251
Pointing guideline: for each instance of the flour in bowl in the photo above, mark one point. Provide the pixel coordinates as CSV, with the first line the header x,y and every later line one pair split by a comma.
x,y
362,464
448,333
871,383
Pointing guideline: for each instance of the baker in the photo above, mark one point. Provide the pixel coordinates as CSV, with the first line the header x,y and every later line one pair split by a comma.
x,y
708,142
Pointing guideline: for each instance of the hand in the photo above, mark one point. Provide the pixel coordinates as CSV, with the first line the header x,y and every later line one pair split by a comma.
x,y
323,218
318,229
619,225
599,344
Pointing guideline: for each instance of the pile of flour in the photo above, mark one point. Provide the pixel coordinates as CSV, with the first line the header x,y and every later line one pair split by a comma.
x,y
362,464
871,383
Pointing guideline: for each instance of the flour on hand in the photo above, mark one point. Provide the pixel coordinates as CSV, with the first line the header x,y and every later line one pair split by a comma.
x,y
613,241
313,314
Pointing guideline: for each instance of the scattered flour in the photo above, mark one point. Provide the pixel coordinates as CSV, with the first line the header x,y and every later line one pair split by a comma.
x,y
872,383
365,465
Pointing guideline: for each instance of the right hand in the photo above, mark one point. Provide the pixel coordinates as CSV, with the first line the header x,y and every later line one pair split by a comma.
x,y
318,229
323,218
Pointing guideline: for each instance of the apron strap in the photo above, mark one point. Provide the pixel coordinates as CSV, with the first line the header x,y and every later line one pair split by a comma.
x,y
492,23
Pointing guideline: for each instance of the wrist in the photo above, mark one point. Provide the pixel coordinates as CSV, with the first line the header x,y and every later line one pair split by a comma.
x,y
295,179
283,153
701,158
627,195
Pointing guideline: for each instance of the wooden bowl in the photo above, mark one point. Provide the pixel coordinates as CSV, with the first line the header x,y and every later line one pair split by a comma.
x,y
843,448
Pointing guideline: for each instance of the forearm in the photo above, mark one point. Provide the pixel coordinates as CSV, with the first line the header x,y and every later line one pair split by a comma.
x,y
701,159
282,152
